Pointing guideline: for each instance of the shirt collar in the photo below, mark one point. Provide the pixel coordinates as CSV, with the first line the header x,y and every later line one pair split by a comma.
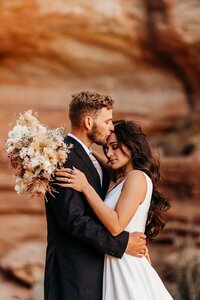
x,y
88,150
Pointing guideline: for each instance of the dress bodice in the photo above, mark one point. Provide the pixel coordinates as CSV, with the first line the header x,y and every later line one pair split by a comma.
x,y
138,221
132,277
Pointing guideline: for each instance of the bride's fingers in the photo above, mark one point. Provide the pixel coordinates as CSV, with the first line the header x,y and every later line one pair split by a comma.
x,y
62,170
140,254
68,170
60,177
65,173
64,179
148,258
66,182
146,251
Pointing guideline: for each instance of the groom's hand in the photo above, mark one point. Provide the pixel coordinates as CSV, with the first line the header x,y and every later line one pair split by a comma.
x,y
136,244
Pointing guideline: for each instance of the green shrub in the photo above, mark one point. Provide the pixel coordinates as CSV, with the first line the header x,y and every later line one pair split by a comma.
x,y
188,275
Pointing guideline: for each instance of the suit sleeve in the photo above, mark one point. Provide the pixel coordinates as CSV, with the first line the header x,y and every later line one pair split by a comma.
x,y
68,207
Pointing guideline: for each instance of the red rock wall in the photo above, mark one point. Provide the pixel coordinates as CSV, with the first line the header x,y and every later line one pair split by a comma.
x,y
146,55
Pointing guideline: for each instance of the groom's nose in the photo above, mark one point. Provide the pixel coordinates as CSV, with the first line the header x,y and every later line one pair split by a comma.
x,y
112,127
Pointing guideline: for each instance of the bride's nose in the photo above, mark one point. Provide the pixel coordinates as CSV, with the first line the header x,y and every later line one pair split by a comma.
x,y
109,152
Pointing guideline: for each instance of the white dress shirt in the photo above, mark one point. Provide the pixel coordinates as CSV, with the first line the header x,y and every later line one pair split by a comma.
x,y
88,150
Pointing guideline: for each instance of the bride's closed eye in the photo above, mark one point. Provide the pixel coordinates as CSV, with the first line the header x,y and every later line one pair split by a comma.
x,y
115,146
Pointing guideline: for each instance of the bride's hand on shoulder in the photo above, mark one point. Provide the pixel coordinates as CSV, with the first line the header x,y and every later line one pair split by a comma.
x,y
72,178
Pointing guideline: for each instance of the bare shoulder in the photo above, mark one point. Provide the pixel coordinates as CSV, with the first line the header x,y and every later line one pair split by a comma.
x,y
135,187
136,175
135,178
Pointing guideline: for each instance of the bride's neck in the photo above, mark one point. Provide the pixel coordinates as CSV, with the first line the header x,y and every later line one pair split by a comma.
x,y
123,172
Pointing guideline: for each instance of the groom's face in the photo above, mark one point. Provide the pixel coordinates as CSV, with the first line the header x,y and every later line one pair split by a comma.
x,y
102,126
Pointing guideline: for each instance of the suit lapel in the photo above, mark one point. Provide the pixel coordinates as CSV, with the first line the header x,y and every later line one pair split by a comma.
x,y
106,182
80,151
88,163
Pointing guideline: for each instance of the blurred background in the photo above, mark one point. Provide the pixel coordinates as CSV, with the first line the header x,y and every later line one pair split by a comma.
x,y
144,53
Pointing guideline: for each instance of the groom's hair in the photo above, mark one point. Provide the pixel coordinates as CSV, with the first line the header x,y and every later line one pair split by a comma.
x,y
87,103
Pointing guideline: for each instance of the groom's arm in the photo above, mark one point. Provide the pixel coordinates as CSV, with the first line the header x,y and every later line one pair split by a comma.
x,y
69,210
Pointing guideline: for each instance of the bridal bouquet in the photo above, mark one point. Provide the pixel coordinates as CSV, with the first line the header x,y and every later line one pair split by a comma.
x,y
35,152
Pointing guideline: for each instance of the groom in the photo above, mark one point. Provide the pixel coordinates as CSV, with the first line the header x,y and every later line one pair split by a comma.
x,y
77,241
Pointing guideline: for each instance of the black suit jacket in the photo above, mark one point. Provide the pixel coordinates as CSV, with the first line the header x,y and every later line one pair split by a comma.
x,y
77,241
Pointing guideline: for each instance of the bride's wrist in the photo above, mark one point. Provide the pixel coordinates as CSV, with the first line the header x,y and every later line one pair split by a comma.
x,y
87,189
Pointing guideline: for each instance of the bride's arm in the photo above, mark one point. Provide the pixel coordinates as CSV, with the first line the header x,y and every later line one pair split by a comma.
x,y
133,193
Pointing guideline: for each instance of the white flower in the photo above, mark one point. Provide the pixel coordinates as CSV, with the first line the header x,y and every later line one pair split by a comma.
x,y
34,162
20,188
35,151
18,133
30,151
10,149
48,152
23,152
17,188
41,130
18,179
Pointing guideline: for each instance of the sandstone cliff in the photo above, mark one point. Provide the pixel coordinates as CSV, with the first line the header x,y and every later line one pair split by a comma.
x,y
145,53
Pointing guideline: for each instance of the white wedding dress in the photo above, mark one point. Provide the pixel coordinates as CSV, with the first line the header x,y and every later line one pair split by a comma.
x,y
132,278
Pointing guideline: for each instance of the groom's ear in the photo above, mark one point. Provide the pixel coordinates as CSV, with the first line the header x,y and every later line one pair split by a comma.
x,y
88,122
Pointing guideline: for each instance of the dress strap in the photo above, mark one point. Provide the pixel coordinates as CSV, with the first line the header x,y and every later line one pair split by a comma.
x,y
119,180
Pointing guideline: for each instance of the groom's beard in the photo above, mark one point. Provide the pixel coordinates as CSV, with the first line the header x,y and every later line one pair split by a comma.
x,y
96,137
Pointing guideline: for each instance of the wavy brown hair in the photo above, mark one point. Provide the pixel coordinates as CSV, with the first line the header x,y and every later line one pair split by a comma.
x,y
130,134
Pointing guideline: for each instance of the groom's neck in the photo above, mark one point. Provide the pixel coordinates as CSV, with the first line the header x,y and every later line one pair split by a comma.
x,y
81,135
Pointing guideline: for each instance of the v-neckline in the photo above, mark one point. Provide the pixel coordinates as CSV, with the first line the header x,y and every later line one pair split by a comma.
x,y
118,182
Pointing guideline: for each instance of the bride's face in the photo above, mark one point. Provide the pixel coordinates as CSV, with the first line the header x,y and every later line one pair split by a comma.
x,y
119,156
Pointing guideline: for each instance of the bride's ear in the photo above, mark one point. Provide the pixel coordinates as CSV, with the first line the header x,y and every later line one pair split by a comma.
x,y
88,122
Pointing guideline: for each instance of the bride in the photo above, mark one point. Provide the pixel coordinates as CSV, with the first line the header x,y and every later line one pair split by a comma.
x,y
133,203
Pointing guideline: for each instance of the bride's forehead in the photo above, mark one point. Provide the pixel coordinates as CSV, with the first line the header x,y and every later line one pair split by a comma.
x,y
112,138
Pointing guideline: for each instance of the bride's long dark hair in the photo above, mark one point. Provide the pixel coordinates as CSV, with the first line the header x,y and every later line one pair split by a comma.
x,y
130,134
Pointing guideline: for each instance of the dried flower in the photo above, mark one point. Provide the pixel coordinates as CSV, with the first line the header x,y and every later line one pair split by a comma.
x,y
35,153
